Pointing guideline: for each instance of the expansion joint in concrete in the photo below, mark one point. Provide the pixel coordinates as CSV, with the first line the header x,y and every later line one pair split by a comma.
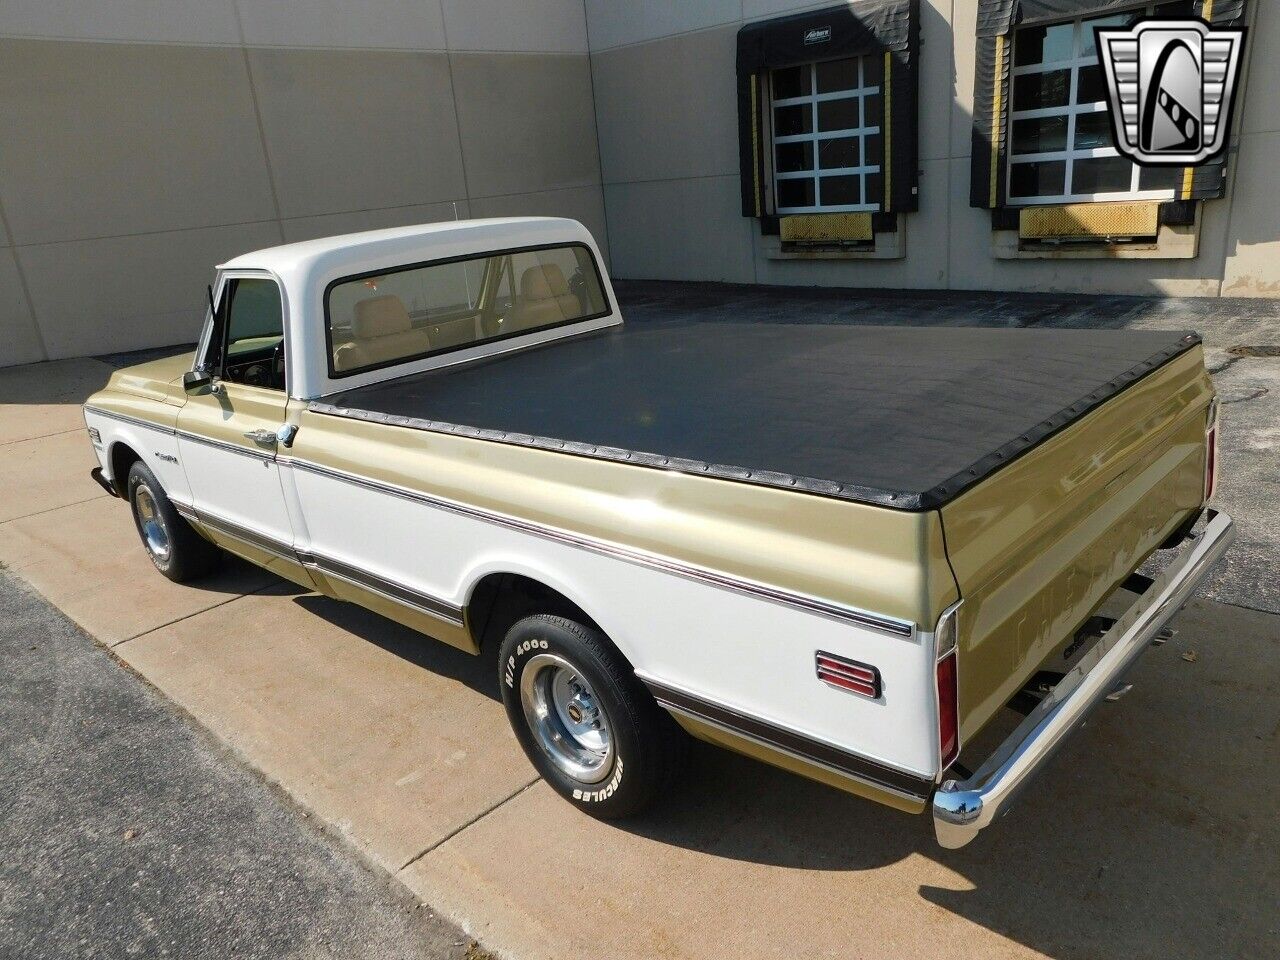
x,y
43,436
61,506
474,820
195,613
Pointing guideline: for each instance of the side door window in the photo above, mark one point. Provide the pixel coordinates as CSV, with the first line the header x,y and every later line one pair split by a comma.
x,y
248,342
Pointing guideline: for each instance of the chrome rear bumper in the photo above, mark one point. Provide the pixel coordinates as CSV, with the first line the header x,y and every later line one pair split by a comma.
x,y
962,809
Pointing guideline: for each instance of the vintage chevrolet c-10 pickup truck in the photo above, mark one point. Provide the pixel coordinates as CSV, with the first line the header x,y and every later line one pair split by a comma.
x,y
838,548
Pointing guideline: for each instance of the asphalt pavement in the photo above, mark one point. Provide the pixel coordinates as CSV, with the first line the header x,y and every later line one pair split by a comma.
x,y
129,832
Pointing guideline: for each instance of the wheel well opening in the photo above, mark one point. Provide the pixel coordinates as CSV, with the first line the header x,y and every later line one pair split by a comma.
x,y
501,599
122,458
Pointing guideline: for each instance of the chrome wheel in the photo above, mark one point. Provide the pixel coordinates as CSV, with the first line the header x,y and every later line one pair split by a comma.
x,y
566,719
154,534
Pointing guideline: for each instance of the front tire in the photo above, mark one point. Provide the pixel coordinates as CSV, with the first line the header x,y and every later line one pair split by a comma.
x,y
173,545
584,720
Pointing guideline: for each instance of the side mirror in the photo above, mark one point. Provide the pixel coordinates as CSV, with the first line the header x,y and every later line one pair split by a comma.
x,y
193,380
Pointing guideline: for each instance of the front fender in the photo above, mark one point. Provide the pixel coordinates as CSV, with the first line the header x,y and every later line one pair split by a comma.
x,y
146,428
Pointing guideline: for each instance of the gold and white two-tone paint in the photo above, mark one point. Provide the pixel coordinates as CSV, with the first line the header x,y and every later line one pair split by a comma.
x,y
811,631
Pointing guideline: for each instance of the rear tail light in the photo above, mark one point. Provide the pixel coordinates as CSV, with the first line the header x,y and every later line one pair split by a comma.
x,y
948,718
848,674
1211,451
946,671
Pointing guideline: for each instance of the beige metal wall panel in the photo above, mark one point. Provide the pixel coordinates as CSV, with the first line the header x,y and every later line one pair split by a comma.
x,y
124,293
1259,113
106,139
156,150
669,108
333,224
584,204
527,121
939,80
963,33
928,232
613,23
970,265
1215,220
530,26
19,338
163,21
679,230
398,24
759,9
356,130
1252,267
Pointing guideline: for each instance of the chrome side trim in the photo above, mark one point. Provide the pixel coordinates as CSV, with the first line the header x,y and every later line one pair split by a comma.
x,y
961,809
819,753
405,596
823,608
124,418
185,509
224,445
252,537
181,434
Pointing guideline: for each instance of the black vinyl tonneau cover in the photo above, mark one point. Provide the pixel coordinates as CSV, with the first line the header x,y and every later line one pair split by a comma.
x,y
903,417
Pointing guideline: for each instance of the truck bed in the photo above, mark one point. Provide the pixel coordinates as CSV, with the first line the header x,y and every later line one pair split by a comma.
x,y
905,418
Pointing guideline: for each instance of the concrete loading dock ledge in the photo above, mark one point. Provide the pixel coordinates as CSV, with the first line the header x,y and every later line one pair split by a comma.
x,y
398,743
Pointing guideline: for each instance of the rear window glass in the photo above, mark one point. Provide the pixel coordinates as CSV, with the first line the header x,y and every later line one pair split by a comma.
x,y
427,309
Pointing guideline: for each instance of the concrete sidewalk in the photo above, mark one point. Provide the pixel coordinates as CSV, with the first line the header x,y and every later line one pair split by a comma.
x,y
1154,833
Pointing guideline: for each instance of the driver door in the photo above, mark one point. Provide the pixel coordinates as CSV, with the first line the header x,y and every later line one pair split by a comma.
x,y
227,430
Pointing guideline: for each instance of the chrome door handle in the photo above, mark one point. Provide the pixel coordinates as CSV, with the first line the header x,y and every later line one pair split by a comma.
x,y
261,436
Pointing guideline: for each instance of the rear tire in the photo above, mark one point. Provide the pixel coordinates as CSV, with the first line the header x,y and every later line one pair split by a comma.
x,y
173,545
585,722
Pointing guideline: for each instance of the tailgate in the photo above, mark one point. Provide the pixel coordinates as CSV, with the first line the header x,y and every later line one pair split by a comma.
x,y
1038,545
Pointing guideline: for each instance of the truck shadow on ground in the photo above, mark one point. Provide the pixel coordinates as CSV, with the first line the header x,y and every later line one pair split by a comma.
x,y
478,673
1083,871
232,577
1153,833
